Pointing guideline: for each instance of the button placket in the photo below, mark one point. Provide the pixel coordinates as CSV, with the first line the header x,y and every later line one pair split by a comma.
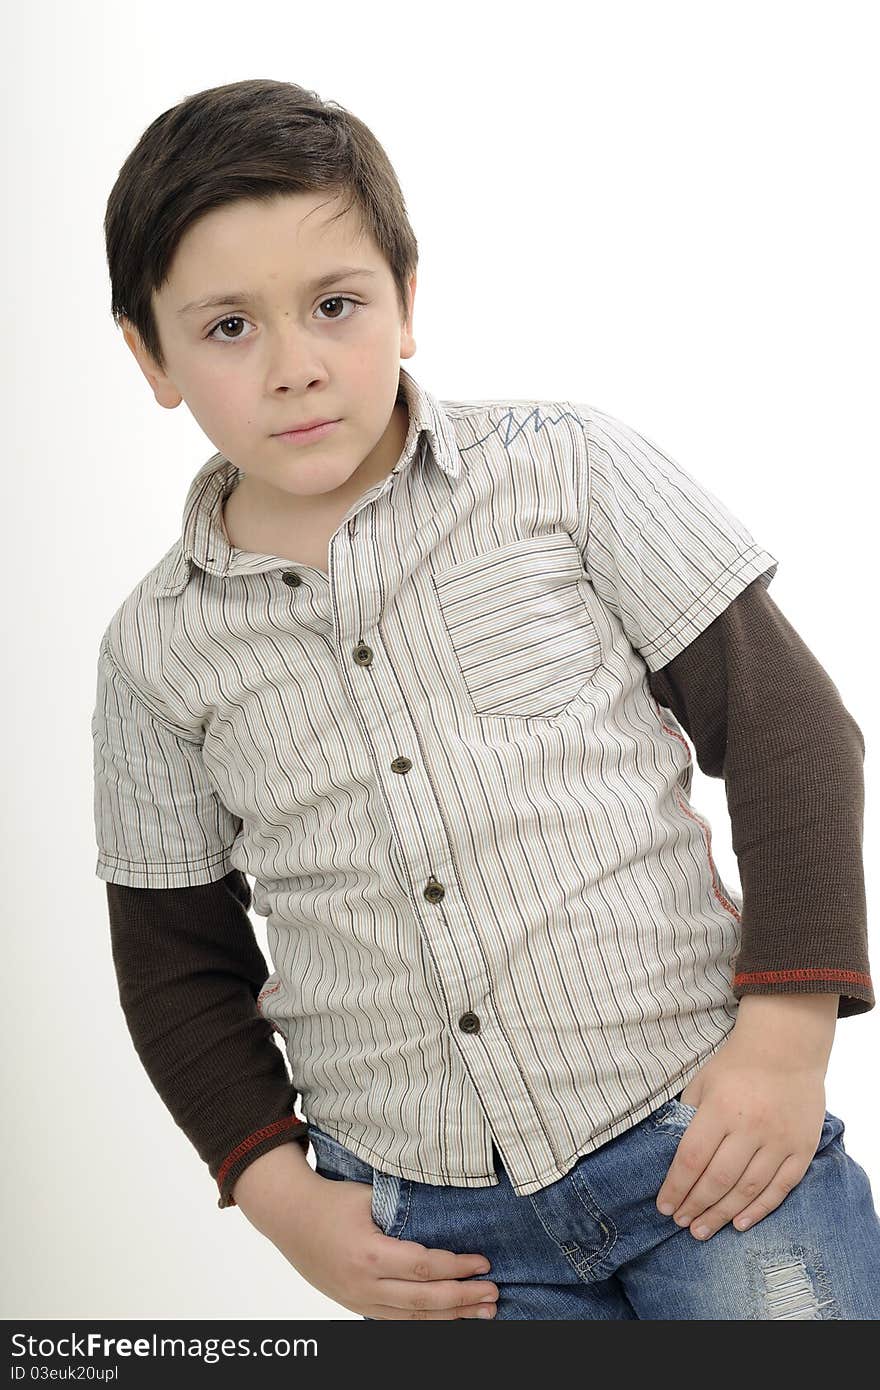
x,y
459,962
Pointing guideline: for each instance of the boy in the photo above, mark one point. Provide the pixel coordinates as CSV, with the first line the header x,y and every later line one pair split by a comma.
x,y
424,671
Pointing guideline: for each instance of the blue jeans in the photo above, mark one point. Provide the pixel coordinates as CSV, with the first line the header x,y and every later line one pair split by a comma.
x,y
594,1246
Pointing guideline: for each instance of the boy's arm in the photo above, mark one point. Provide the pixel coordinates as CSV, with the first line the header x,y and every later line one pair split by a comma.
x,y
189,971
764,714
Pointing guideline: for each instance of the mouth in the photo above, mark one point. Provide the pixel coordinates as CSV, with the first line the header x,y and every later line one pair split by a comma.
x,y
305,436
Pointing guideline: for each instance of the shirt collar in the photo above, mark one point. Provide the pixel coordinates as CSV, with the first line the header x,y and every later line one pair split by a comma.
x,y
203,541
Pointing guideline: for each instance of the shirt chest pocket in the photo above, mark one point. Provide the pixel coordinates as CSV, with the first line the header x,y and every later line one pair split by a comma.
x,y
519,626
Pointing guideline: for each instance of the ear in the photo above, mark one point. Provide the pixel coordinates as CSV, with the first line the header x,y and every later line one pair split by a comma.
x,y
407,341
163,388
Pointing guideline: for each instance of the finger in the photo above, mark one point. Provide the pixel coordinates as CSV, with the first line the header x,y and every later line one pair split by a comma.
x,y
408,1259
755,1178
384,1310
442,1295
787,1176
695,1151
723,1172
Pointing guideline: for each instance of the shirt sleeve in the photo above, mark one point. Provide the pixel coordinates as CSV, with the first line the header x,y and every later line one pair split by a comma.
x,y
765,715
662,551
190,973
158,820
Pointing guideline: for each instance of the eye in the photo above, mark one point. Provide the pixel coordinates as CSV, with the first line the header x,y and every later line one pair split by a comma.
x,y
341,299
237,318
230,318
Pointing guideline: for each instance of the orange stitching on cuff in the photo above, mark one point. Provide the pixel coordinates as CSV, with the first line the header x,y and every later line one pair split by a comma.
x,y
769,977
252,1139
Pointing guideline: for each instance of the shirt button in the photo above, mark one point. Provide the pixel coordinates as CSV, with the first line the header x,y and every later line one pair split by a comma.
x,y
292,578
434,891
401,765
363,654
469,1023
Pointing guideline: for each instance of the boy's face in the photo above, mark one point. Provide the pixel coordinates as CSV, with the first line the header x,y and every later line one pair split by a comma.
x,y
291,354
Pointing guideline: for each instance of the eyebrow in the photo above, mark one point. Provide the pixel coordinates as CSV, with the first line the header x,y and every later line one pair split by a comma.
x,y
218,301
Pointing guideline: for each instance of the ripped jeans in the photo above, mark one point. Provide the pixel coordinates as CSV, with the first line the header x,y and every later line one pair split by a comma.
x,y
594,1246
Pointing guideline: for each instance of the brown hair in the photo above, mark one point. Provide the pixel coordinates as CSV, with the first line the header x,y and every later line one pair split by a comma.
x,y
257,140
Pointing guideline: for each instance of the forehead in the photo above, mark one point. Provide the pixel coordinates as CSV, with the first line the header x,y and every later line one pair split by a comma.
x,y
253,244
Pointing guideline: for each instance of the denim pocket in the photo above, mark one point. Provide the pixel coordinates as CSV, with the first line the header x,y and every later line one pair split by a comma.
x,y
832,1132
333,1160
673,1116
391,1201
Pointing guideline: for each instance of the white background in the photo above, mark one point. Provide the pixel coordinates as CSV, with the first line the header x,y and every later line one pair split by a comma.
x,y
666,211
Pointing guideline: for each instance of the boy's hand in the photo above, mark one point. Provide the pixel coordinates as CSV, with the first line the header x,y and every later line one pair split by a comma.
x,y
756,1130
331,1238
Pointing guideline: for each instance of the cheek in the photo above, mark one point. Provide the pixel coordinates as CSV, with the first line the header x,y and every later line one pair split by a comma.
x,y
225,399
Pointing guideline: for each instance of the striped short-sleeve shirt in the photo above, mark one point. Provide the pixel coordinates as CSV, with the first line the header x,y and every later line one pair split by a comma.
x,y
492,910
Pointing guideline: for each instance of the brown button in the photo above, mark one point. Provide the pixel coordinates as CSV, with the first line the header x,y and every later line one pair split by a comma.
x,y
292,578
434,891
469,1023
363,654
401,765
